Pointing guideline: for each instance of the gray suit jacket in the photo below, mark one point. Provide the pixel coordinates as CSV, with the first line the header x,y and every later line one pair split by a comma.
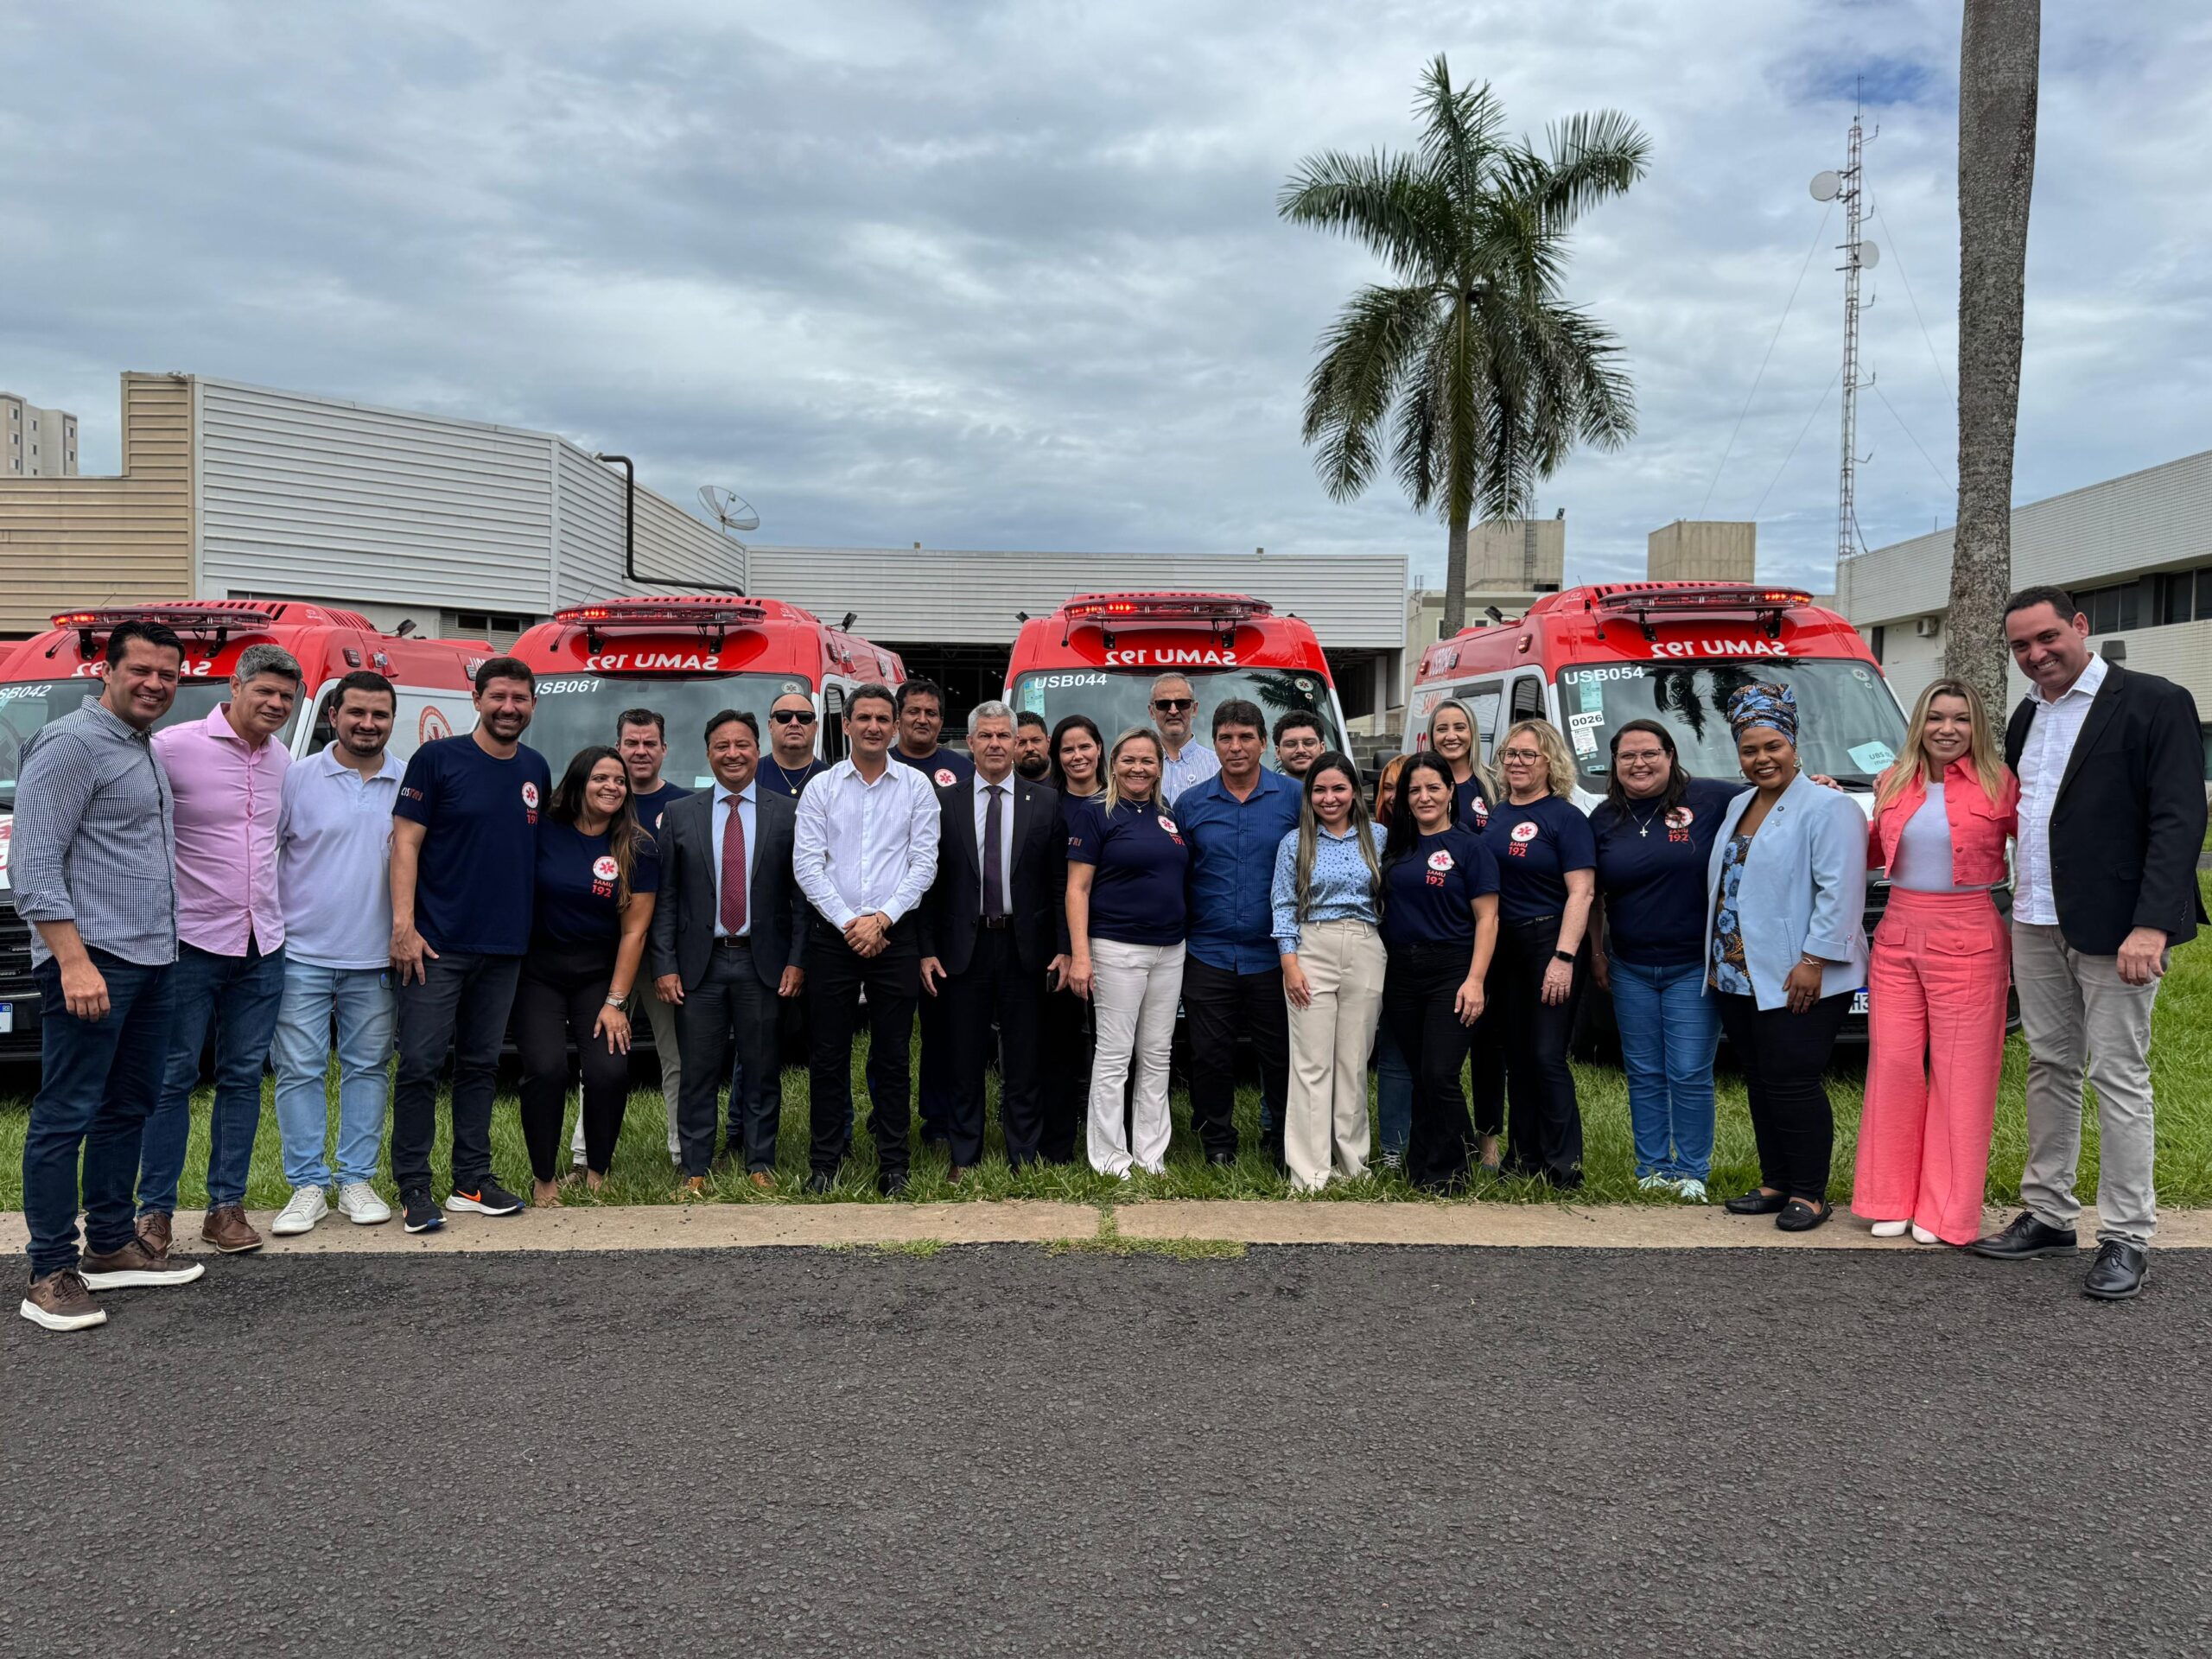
x,y
683,939
1804,889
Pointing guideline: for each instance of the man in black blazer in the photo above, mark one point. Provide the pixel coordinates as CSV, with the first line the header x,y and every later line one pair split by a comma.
x,y
992,935
724,952
2112,816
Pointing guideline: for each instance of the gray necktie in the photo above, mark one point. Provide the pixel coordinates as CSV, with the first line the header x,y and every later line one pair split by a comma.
x,y
993,865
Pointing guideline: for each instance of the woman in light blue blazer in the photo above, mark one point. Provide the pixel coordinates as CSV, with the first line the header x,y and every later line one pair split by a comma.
x,y
1785,947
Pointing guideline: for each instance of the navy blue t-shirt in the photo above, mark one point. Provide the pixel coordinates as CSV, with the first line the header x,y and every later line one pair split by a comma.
x,y
774,775
577,885
1651,871
1536,846
962,768
475,877
1139,865
650,807
1467,801
1427,893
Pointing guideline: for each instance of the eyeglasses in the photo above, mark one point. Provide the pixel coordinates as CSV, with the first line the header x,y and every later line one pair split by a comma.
x,y
792,717
1520,754
1174,705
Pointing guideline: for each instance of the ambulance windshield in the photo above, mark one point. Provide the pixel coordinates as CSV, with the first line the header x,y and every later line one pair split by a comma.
x,y
1120,700
26,707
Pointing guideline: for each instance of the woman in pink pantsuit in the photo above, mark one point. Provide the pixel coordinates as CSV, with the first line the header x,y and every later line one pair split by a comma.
x,y
1943,962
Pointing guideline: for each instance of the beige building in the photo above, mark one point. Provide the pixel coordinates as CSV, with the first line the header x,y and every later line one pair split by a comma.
x,y
1702,550
36,442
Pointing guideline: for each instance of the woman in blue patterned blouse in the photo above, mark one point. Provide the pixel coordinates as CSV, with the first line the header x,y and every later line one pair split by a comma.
x,y
1328,899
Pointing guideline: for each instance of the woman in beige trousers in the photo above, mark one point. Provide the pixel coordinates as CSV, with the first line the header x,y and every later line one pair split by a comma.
x,y
1327,893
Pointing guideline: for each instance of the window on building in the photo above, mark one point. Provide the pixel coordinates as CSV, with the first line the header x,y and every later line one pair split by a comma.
x,y
489,622
1880,636
2112,610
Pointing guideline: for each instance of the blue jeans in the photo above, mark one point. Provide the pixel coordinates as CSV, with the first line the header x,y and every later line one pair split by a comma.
x,y
360,999
1393,1093
1670,1028
98,1080
241,995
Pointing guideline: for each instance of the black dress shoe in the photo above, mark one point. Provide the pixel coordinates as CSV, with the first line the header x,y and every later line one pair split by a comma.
x,y
821,1181
2118,1272
892,1186
1222,1159
1801,1215
1755,1202
2026,1236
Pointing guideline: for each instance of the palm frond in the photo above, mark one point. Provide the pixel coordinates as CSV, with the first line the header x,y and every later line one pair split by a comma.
x,y
1366,355
1594,155
1382,201
1460,130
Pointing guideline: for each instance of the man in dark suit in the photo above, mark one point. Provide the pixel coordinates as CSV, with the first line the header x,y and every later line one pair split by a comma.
x,y
2112,816
728,939
991,936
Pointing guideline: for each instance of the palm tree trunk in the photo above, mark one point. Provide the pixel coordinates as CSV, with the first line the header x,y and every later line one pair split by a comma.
x,y
1455,574
1997,53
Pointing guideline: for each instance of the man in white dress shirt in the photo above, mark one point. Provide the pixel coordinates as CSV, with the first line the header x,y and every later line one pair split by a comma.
x,y
865,855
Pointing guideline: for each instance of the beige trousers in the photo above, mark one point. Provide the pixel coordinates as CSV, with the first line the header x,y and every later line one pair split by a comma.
x,y
1326,1118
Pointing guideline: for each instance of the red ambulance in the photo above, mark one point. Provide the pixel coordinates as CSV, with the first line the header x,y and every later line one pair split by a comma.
x,y
1099,653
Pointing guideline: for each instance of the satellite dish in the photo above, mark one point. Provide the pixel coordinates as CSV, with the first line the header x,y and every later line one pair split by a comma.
x,y
1827,186
1869,256
730,510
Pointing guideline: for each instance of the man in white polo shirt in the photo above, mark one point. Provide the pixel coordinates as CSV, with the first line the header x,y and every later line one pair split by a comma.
x,y
333,855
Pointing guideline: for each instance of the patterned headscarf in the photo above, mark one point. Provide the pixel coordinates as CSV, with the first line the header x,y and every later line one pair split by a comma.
x,y
1764,703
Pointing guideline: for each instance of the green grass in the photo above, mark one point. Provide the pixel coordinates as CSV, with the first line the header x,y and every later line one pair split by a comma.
x,y
2181,1055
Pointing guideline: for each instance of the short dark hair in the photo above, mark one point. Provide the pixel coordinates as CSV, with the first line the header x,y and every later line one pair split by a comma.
x,y
1239,711
154,633
1296,718
640,717
2045,594
877,691
1030,718
505,668
909,690
722,717
365,679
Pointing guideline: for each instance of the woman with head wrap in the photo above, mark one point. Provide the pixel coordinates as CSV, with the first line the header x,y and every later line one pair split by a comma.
x,y
1785,948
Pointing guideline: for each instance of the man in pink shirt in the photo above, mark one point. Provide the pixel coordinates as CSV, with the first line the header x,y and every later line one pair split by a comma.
x,y
226,774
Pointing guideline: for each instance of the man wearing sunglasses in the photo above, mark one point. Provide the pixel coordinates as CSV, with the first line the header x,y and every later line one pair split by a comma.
x,y
791,762
1183,760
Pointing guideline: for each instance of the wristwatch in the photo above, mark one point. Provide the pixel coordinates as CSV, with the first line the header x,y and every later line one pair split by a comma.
x,y
1566,956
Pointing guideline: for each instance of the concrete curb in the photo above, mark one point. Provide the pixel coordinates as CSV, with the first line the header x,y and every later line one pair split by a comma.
x,y
1032,1220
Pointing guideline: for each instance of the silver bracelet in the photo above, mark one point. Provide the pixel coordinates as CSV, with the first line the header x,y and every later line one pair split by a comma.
x,y
615,1001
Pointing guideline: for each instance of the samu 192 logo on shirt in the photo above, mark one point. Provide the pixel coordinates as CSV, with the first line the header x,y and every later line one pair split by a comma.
x,y
529,796
1440,860
1525,830
604,869
1168,824
1678,822
944,777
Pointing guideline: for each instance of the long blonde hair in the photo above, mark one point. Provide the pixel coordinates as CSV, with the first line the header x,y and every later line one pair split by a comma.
x,y
1309,832
1112,782
1988,765
1485,778
1558,764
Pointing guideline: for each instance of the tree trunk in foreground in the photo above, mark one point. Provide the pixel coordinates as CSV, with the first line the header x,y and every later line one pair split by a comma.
x,y
1455,577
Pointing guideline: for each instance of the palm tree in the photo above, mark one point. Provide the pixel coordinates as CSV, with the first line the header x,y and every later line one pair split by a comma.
x,y
1998,49
1468,365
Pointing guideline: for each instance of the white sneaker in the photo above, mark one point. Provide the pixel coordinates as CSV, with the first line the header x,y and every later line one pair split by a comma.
x,y
1921,1236
359,1203
1654,1183
306,1207
1690,1190
1889,1229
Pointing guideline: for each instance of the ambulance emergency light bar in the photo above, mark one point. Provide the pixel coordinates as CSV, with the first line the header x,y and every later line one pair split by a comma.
x,y
1704,599
217,621
711,617
1220,612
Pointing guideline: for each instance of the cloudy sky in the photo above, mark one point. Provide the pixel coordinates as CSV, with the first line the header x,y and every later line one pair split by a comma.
x,y
1009,276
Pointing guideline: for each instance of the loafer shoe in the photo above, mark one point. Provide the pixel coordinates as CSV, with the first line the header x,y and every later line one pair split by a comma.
x,y
1755,1202
2118,1273
2026,1238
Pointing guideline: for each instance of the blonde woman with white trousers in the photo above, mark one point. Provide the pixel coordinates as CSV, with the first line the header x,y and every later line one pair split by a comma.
x,y
1327,894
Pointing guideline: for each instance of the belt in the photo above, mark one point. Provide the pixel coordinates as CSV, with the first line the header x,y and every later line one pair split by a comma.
x,y
996,923
733,942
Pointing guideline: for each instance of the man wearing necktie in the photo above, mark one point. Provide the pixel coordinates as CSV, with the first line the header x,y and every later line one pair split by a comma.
x,y
728,940
991,935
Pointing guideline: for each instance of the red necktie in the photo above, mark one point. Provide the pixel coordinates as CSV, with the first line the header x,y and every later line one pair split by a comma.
x,y
733,871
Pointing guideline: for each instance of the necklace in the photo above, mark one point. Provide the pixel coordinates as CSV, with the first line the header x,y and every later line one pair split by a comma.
x,y
1643,827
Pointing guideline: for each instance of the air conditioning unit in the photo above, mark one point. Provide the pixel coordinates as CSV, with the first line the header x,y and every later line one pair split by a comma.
x,y
1928,626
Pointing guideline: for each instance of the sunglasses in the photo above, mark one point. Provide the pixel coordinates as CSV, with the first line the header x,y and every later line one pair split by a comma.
x,y
792,717
1174,705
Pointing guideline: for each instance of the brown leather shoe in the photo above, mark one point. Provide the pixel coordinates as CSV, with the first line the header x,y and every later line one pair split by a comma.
x,y
694,1190
228,1231
136,1264
60,1302
764,1180
954,1175
153,1230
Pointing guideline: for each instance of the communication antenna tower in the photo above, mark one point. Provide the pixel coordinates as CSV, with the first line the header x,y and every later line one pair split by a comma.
x,y
1858,255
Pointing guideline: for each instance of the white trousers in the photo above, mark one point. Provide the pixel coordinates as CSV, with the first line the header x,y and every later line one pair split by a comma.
x,y
1134,989
662,1017
1325,1117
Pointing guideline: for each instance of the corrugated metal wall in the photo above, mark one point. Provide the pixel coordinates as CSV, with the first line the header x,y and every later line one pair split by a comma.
x,y
66,541
969,598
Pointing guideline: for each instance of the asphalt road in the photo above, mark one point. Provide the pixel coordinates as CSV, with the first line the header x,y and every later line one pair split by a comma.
x,y
1002,1452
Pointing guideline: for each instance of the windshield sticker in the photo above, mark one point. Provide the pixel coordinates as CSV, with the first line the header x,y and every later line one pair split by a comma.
x,y
1872,757
1305,686
702,779
1583,728
1592,690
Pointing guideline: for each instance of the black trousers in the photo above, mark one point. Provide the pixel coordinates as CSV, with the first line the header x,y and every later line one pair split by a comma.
x,y
1546,1133
994,989
1066,1043
461,1004
1785,1057
557,999
1420,991
730,1009
1221,1006
936,1087
835,977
